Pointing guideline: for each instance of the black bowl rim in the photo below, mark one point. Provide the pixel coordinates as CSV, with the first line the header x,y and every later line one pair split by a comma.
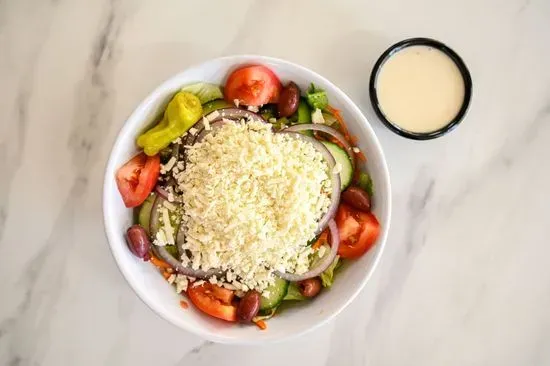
x,y
419,41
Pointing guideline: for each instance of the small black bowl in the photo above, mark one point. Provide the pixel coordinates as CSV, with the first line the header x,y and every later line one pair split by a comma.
x,y
459,63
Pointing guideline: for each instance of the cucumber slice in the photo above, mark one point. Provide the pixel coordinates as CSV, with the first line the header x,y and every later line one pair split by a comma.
x,y
277,293
303,115
204,91
342,158
215,105
304,112
144,215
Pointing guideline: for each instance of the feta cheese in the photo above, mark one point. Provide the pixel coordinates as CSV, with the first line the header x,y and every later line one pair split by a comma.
x,y
253,108
356,150
212,116
317,116
236,102
168,229
251,202
193,131
206,124
182,282
169,205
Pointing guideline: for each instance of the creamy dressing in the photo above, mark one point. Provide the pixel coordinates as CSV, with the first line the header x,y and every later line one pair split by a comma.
x,y
420,89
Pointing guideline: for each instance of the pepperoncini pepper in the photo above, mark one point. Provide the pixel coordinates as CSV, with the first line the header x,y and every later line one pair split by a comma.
x,y
182,112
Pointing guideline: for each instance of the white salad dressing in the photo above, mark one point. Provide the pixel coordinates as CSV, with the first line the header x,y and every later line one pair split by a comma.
x,y
420,89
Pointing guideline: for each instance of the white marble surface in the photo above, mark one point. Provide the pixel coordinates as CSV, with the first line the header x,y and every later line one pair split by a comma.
x,y
465,279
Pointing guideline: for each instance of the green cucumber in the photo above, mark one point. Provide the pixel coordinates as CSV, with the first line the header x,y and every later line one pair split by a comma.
x,y
277,292
304,112
206,92
302,116
342,158
144,216
215,105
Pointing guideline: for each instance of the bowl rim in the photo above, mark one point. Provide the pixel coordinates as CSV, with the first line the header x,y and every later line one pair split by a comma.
x,y
458,61
145,104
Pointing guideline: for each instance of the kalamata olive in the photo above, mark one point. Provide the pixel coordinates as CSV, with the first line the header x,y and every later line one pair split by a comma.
x,y
289,100
310,287
248,306
357,198
138,242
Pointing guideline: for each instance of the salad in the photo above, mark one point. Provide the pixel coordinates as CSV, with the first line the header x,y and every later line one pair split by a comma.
x,y
248,195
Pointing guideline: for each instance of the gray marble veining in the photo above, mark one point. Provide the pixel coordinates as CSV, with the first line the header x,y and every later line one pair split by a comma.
x,y
464,279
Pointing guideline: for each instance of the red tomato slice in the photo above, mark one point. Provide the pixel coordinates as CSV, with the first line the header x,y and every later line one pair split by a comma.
x,y
214,301
358,231
253,86
137,178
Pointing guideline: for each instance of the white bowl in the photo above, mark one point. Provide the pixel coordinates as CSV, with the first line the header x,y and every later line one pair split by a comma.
x,y
151,287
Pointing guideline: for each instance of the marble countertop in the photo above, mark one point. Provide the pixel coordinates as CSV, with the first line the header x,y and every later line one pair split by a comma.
x,y
465,278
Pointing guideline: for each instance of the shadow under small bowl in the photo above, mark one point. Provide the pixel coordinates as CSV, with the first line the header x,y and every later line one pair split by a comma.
x,y
453,56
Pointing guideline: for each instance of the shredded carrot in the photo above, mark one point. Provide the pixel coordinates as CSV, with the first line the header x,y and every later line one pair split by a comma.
x,y
353,139
336,113
159,263
320,241
261,324
166,275
361,156
184,304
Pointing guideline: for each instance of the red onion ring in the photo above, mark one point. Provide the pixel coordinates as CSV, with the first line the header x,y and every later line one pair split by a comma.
x,y
180,268
161,192
325,263
335,180
328,130
222,115
235,114
213,127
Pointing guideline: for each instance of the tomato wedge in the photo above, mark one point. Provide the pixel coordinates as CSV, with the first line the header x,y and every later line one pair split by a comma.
x,y
137,178
358,231
214,301
253,86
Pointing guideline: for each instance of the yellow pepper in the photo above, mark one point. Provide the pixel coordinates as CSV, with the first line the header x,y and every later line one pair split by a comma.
x,y
182,112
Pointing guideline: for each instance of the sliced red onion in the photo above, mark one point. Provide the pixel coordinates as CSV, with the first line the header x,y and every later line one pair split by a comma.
x,y
213,127
163,254
234,114
335,179
328,130
325,262
161,192
219,117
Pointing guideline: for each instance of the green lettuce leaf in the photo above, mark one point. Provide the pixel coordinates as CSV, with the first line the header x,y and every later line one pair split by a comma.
x,y
327,277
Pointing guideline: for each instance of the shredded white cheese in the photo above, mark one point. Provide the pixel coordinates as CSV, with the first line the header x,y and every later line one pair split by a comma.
x,y
252,200
317,116
206,124
212,116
